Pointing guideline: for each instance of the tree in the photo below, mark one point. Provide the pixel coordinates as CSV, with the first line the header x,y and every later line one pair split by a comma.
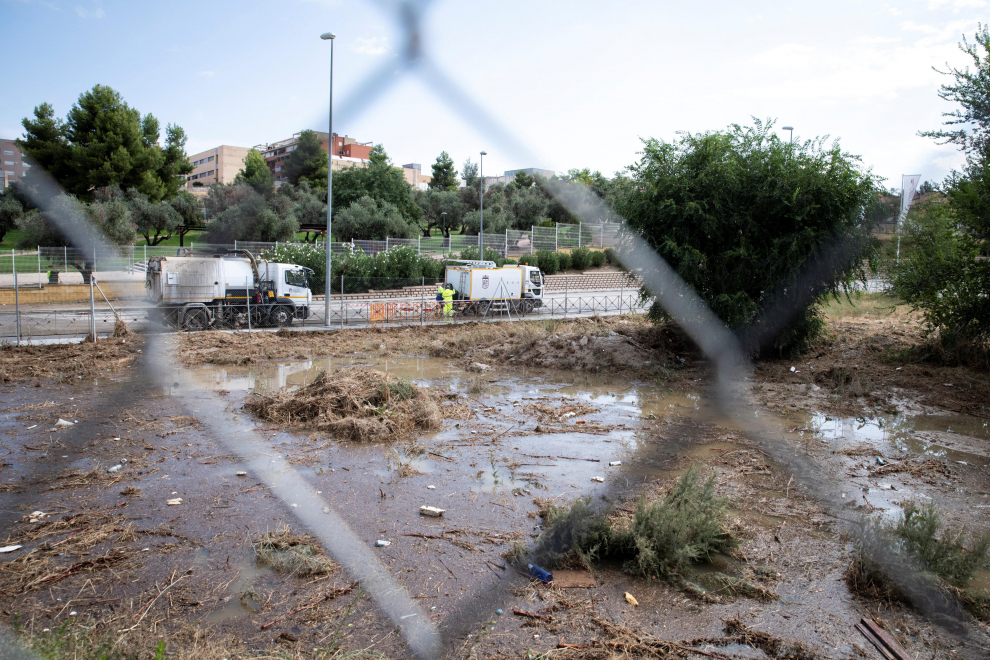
x,y
308,205
308,162
497,217
522,179
444,173
380,181
470,174
256,173
110,217
155,221
370,219
10,212
434,203
253,219
105,142
947,275
740,216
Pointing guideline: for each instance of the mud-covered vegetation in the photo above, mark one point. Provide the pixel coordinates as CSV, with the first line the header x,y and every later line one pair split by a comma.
x,y
357,404
685,524
920,554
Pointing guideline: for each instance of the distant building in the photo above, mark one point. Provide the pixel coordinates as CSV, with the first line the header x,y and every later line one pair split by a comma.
x,y
413,172
217,165
510,175
348,152
13,165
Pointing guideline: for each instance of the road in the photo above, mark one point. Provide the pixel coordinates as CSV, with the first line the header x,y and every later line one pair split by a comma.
x,y
51,323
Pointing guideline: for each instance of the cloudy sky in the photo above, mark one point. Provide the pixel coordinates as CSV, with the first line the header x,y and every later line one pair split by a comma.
x,y
547,84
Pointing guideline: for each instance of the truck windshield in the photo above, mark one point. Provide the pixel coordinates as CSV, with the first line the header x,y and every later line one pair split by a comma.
x,y
534,277
295,278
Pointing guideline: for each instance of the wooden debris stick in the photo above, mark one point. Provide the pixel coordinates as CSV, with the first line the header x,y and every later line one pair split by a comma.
x,y
887,645
329,595
531,615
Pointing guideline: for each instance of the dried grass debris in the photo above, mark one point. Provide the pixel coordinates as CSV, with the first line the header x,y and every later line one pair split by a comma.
x,y
358,404
290,554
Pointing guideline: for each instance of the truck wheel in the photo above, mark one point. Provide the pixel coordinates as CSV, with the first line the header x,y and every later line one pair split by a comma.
x,y
527,306
196,319
281,316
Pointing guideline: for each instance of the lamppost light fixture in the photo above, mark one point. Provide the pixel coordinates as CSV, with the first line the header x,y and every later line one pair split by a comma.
x,y
484,153
787,128
327,35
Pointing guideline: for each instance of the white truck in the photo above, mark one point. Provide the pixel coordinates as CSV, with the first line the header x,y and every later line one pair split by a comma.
x,y
516,288
226,288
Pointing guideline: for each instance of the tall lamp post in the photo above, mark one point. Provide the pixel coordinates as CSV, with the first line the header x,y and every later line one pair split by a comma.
x,y
481,231
791,129
329,36
443,236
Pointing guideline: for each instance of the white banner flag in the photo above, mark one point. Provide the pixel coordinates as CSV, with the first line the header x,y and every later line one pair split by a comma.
x,y
909,184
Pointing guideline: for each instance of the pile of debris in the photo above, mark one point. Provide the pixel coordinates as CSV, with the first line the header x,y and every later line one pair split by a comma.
x,y
358,404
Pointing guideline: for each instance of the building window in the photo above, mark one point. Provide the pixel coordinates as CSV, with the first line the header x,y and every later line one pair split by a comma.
x,y
279,169
8,153
210,159
10,173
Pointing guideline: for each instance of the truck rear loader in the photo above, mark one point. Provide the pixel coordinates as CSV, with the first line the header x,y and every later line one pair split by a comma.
x,y
485,287
225,289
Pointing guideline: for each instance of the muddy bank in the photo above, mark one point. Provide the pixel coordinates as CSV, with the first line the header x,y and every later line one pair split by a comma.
x,y
628,343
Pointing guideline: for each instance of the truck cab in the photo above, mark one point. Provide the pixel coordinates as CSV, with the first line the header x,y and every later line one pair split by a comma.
x,y
290,283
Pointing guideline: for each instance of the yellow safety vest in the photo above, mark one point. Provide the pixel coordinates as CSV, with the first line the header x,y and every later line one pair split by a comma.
x,y
448,295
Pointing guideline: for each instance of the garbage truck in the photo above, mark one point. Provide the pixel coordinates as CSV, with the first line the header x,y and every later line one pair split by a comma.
x,y
484,287
226,289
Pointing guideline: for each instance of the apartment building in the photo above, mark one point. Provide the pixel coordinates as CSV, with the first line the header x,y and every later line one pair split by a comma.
x,y
348,152
413,172
510,175
13,164
217,165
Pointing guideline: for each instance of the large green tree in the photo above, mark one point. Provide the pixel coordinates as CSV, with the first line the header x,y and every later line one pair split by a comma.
x,y
249,216
10,212
104,142
379,181
256,173
442,209
371,219
308,162
444,173
947,275
743,218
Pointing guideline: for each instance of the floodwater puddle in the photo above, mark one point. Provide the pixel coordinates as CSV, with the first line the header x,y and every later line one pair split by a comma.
x,y
243,599
959,438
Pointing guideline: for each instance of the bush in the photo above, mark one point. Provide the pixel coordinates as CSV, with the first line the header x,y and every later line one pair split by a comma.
x,y
530,260
563,261
510,262
885,562
741,215
597,259
611,256
433,269
687,524
580,258
549,263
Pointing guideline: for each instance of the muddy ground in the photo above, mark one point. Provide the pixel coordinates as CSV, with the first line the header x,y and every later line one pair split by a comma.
x,y
109,566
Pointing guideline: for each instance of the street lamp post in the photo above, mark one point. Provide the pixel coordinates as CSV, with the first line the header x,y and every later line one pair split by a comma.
x,y
791,129
443,236
481,231
329,36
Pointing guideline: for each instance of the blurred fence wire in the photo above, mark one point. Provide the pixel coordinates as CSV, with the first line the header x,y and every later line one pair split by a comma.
x,y
731,366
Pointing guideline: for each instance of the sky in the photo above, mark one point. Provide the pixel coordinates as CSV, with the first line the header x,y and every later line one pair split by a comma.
x,y
555,85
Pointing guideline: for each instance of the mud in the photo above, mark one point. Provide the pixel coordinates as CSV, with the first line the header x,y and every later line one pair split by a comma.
x,y
189,574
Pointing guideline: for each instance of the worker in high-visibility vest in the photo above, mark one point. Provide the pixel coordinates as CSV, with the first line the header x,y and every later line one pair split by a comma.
x,y
448,303
440,298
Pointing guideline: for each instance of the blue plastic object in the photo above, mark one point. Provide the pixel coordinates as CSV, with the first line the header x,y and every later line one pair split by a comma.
x,y
540,573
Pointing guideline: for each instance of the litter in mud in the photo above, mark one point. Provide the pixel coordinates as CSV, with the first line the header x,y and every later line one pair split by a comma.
x,y
63,423
883,642
358,404
175,501
431,511
10,548
631,599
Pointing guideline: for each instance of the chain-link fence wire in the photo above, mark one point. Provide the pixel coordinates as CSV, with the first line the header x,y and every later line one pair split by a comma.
x,y
727,352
